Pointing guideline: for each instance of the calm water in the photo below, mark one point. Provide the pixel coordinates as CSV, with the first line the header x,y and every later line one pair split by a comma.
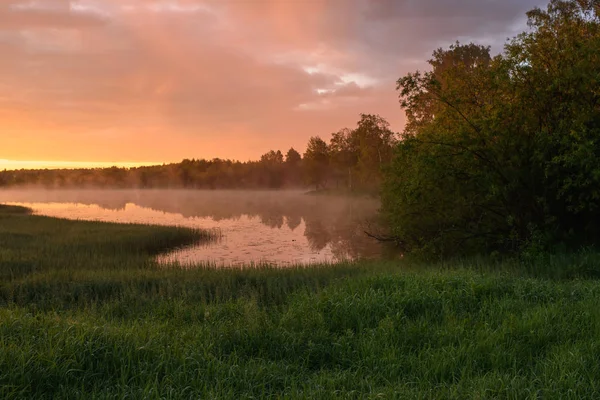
x,y
280,228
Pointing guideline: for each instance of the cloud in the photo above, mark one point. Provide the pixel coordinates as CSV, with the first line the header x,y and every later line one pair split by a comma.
x,y
163,80
48,14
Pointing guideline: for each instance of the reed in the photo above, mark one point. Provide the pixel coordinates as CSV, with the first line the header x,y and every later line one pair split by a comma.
x,y
87,312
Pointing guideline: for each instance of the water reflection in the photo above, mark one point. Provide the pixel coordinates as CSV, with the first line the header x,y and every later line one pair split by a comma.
x,y
274,227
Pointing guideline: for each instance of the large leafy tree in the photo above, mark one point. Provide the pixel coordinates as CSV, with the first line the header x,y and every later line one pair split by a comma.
x,y
358,156
375,142
556,68
497,151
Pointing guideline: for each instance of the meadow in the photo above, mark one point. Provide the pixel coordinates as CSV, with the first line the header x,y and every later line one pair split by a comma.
x,y
86,312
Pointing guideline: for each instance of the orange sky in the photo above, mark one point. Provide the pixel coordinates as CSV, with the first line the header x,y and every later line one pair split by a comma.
x,y
130,81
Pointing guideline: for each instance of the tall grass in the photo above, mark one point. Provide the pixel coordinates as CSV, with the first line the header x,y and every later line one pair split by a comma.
x,y
85,312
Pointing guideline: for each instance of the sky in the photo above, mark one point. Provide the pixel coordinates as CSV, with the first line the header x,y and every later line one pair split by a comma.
x,y
98,82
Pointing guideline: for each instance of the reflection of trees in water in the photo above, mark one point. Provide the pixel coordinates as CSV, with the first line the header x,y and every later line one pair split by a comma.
x,y
345,232
329,220
317,234
272,220
293,221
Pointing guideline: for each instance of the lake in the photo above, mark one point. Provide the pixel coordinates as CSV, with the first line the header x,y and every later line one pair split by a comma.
x,y
280,228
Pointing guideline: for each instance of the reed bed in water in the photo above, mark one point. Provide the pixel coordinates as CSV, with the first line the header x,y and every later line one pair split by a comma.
x,y
86,312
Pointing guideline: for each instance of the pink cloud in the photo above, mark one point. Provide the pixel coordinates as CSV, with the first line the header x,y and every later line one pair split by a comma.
x,y
138,80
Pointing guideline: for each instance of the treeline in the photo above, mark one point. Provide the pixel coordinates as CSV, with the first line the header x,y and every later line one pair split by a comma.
x,y
503,153
351,160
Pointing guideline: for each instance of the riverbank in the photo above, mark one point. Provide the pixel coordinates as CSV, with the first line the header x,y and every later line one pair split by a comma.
x,y
86,312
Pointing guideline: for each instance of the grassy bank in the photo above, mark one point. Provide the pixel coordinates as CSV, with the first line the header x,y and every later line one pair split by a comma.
x,y
86,313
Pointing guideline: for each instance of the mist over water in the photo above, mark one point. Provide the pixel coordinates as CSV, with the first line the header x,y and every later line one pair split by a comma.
x,y
274,227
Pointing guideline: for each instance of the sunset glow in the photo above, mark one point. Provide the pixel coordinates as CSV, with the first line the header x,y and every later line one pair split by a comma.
x,y
13,165
138,80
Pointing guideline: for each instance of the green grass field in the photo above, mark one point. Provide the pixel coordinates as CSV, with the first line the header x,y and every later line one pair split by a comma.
x,y
85,312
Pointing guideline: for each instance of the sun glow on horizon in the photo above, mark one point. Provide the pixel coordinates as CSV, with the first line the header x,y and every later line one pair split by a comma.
x,y
179,79
29,164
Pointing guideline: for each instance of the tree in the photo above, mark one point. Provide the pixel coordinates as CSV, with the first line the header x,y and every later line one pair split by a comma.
x,y
293,167
316,160
185,172
272,158
293,158
556,67
272,164
343,151
375,141
498,152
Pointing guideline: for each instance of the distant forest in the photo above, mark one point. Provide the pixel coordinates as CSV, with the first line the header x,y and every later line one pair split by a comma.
x,y
352,160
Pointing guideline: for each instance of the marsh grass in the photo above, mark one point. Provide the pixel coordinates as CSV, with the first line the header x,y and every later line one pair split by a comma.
x,y
86,312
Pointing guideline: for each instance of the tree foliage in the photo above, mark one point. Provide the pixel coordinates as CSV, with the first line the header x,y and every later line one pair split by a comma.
x,y
499,152
316,162
343,153
374,142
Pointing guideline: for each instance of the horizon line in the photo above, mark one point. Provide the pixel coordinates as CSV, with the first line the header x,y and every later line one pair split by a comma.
x,y
13,165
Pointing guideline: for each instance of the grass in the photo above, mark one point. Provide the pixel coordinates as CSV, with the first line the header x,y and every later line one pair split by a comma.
x,y
85,312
